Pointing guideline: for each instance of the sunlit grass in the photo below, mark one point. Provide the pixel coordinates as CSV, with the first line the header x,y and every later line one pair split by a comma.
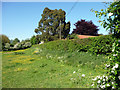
x,y
50,69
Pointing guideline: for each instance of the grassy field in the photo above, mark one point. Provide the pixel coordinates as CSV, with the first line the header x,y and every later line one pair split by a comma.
x,y
41,68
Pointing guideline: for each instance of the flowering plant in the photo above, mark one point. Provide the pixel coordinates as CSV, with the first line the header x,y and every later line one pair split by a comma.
x,y
112,22
112,78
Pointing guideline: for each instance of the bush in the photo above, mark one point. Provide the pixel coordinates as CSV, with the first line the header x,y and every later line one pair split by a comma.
x,y
34,40
72,36
7,46
15,41
3,39
27,45
22,45
95,45
17,46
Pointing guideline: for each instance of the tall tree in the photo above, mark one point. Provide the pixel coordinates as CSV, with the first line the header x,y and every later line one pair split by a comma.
x,y
52,24
16,40
3,39
85,28
34,40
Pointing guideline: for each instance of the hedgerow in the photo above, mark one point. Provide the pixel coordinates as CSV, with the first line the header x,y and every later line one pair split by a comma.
x,y
95,45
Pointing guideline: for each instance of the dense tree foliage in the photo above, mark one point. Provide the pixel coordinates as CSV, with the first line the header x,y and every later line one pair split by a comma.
x,y
51,23
16,40
85,28
34,40
3,39
111,22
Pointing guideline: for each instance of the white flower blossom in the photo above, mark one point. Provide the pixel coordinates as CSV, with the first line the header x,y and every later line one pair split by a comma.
x,y
83,75
110,14
113,87
103,76
113,68
119,77
114,54
71,79
94,79
103,86
74,72
103,79
116,65
92,85
98,76
112,82
107,65
113,50
98,81
112,71
106,77
108,85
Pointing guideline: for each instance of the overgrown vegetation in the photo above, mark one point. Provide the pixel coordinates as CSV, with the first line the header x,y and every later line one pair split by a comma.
x,y
111,22
65,63
44,68
6,44
95,45
3,39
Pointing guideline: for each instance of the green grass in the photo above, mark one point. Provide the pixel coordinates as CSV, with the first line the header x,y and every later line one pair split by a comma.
x,y
41,68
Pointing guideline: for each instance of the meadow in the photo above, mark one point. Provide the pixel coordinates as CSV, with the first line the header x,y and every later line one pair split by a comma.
x,y
40,67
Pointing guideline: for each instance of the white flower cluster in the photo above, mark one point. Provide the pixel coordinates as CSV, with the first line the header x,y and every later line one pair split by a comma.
x,y
48,56
83,75
113,49
60,57
73,72
114,55
77,76
119,77
101,81
107,65
114,67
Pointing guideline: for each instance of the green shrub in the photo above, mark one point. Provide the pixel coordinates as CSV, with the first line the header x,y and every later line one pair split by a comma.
x,y
72,36
27,44
95,45
17,46
34,40
3,40
15,41
7,46
22,45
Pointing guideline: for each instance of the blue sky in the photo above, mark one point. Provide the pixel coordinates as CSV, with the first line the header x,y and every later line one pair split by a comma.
x,y
19,19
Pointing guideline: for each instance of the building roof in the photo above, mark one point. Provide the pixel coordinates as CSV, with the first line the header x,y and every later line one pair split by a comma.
x,y
85,36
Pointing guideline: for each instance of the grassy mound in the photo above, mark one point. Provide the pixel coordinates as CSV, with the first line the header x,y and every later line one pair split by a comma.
x,y
96,45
